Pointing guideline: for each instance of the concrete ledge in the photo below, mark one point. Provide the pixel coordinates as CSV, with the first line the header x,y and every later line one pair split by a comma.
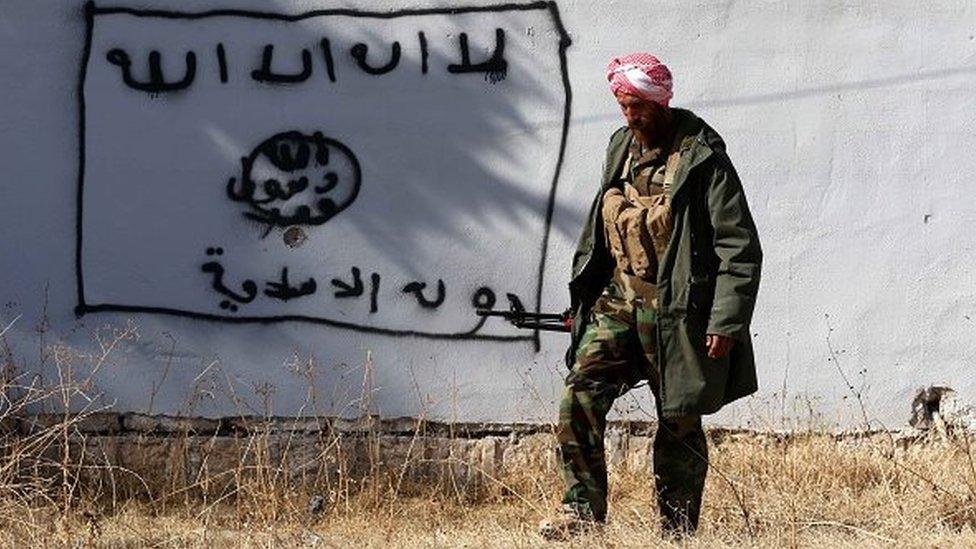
x,y
167,454
98,423
109,423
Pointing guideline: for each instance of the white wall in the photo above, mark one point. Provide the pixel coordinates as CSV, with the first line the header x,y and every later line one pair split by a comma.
x,y
850,123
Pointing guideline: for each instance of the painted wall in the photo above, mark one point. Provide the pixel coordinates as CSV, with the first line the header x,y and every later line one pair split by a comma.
x,y
287,205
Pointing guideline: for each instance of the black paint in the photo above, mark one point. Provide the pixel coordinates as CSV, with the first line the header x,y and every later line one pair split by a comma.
x,y
349,12
424,54
157,82
306,161
266,74
495,67
354,289
91,10
249,288
222,62
82,306
360,52
417,289
469,335
329,61
484,298
564,43
374,292
284,291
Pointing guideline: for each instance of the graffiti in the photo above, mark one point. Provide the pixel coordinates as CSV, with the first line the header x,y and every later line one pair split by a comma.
x,y
424,53
417,289
322,173
157,82
374,292
354,289
360,51
222,62
495,67
282,289
372,140
484,298
265,74
249,287
326,47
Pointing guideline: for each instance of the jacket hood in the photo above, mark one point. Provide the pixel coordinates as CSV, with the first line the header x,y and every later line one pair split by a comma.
x,y
689,124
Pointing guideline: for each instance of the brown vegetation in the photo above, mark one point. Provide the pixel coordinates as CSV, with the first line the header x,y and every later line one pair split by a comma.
x,y
265,485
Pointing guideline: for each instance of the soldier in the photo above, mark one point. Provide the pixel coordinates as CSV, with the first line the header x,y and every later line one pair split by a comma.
x,y
663,286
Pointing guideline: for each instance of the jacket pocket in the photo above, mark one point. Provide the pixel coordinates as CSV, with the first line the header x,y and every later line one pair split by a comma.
x,y
691,383
701,295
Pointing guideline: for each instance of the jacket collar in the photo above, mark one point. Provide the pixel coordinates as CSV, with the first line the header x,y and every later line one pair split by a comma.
x,y
693,149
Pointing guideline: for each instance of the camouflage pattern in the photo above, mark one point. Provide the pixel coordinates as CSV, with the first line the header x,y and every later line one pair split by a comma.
x,y
616,352
707,278
637,216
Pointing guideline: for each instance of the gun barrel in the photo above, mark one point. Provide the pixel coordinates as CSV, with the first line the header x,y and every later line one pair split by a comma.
x,y
519,314
487,312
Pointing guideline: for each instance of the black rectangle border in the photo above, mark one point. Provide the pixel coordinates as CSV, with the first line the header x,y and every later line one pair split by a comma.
x,y
91,10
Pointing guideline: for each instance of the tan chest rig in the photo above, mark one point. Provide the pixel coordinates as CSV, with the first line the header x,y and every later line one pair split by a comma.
x,y
638,222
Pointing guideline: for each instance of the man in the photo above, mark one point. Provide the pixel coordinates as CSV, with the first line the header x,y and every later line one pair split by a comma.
x,y
663,287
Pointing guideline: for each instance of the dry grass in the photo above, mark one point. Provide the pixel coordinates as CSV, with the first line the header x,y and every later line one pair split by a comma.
x,y
61,487
803,491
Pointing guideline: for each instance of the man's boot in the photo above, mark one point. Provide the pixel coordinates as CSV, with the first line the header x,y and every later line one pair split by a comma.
x,y
568,523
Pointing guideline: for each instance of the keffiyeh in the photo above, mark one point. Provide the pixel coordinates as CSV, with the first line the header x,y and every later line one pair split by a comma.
x,y
641,75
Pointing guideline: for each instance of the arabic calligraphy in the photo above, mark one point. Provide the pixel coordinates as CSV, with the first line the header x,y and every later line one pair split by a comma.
x,y
494,68
157,83
417,289
249,287
360,51
256,101
283,289
296,179
265,74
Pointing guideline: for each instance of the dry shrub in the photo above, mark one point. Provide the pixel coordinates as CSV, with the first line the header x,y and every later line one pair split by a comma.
x,y
275,483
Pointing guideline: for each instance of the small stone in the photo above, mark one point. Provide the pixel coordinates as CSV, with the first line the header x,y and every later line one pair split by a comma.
x,y
294,237
316,504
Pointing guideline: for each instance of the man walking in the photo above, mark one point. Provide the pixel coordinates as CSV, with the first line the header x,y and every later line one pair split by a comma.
x,y
664,282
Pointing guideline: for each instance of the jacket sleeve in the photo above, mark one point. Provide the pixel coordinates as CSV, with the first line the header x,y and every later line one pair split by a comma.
x,y
737,248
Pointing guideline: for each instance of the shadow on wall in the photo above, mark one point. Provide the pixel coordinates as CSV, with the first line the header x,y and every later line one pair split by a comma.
x,y
485,152
496,131
425,139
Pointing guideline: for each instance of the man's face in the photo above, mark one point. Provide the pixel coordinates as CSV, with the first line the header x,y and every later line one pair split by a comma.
x,y
645,117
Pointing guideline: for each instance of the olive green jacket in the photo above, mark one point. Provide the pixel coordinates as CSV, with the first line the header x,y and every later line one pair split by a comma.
x,y
707,279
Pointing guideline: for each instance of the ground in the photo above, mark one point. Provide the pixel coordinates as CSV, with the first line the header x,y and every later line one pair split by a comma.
x,y
800,490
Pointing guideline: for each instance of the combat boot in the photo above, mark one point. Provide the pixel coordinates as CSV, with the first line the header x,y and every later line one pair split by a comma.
x,y
567,524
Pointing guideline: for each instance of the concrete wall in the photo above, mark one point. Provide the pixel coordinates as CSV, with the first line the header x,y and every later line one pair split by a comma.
x,y
456,182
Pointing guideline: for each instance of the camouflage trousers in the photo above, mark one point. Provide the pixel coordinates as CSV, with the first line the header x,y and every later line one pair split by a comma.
x,y
616,352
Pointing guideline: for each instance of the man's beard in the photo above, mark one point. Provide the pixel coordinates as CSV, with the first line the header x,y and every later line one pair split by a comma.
x,y
651,130
648,130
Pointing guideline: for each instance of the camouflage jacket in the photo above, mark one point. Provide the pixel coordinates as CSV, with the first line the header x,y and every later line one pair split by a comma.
x,y
707,280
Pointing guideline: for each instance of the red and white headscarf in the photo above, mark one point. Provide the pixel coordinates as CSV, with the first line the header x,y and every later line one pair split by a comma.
x,y
641,75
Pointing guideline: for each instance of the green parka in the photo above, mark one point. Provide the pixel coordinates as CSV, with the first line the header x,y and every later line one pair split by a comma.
x,y
707,279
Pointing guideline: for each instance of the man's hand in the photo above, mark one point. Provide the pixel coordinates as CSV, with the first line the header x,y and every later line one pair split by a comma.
x,y
718,346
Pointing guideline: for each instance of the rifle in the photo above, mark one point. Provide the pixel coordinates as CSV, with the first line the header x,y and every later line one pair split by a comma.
x,y
520,318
